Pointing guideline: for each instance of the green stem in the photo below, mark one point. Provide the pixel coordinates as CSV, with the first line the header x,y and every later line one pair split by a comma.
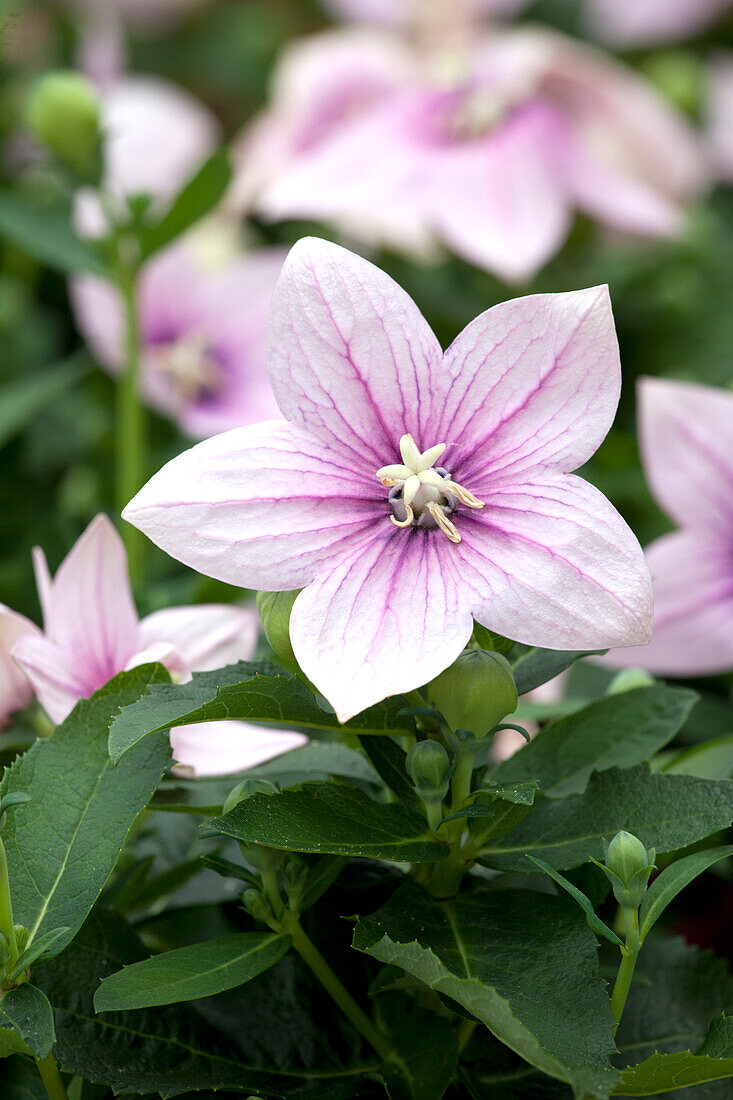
x,y
310,955
51,1078
445,880
7,926
130,420
629,955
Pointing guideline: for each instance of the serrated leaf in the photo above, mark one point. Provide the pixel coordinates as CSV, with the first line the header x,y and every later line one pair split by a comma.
x,y
46,233
197,199
331,819
248,692
617,731
672,880
666,812
522,963
28,1012
679,1070
62,846
189,973
533,667
582,899
39,949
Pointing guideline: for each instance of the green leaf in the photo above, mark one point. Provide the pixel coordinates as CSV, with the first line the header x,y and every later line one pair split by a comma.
x,y
711,760
718,1043
522,794
24,398
533,667
197,199
329,818
62,846
522,963
713,1061
248,692
616,732
45,232
672,880
425,1056
39,950
666,812
28,1012
389,761
582,899
11,1043
191,972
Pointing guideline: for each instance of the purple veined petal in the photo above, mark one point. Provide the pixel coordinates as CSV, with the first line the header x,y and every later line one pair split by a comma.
x,y
351,357
15,688
58,679
631,23
208,636
693,608
266,506
90,612
532,383
551,563
222,748
386,618
686,435
500,202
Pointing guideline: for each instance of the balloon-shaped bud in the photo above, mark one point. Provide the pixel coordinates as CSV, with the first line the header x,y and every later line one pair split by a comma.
x,y
476,692
245,790
629,865
257,906
629,679
274,609
428,765
63,113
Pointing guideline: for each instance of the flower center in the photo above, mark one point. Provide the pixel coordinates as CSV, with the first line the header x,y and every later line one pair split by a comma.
x,y
189,368
421,494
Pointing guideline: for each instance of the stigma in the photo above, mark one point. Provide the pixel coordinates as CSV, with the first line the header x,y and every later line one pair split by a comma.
x,y
190,370
422,494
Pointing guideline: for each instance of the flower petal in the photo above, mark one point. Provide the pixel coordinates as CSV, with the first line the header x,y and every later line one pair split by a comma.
x,y
350,355
52,671
15,688
686,433
530,383
693,608
551,563
207,636
221,748
386,618
629,23
265,506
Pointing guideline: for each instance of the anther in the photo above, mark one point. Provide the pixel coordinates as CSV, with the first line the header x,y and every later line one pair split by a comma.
x,y
442,522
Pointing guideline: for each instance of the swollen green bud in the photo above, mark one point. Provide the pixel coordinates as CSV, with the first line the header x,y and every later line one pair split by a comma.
x,y
428,765
245,790
628,866
63,113
257,906
629,679
476,692
274,609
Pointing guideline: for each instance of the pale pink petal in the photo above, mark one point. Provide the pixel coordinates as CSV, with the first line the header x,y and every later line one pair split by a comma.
x,y
644,22
405,11
221,748
44,582
693,608
351,357
58,679
686,434
266,506
531,383
97,310
91,615
551,563
208,636
386,618
15,688
720,115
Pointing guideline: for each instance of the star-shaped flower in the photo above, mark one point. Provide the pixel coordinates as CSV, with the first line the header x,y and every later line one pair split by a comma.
x,y
395,554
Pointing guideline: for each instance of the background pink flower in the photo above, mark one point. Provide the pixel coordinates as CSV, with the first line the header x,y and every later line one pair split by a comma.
x,y
645,22
409,491
91,631
398,12
15,687
720,115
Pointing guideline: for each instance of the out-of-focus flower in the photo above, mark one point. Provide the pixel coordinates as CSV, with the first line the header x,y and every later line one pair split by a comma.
x,y
720,116
202,327
92,632
686,434
156,136
493,158
401,12
408,490
15,687
645,22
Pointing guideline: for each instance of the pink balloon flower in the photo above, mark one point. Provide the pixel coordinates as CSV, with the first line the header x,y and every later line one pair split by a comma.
x,y
686,434
645,22
720,116
16,691
202,327
401,12
91,631
492,156
408,491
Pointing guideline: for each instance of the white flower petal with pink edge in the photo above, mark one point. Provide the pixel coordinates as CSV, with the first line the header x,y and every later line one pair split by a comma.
x,y
221,748
208,636
15,688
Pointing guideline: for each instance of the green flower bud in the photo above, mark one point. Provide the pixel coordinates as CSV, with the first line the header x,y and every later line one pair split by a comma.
x,y
487,639
21,937
245,790
628,867
63,113
476,692
274,609
257,906
628,679
428,765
